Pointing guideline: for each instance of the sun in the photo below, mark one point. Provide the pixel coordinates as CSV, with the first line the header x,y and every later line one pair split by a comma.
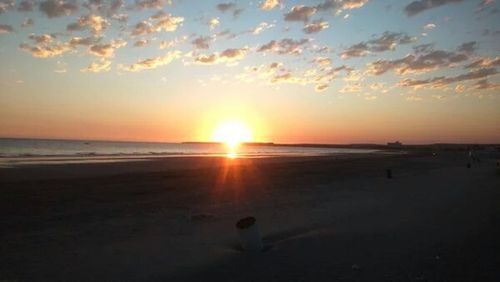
x,y
232,133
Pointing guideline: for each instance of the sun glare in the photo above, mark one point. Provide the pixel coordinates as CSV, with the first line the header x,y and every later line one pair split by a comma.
x,y
232,134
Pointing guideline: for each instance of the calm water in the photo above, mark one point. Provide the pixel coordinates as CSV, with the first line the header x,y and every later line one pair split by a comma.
x,y
18,149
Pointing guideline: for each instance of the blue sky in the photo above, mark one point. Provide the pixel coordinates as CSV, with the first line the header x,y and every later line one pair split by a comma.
x,y
330,66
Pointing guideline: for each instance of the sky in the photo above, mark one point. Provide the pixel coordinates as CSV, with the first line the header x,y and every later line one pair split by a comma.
x,y
325,71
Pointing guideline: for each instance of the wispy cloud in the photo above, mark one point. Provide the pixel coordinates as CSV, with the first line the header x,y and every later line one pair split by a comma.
x,y
150,4
424,60
153,63
285,46
419,6
387,41
438,82
98,66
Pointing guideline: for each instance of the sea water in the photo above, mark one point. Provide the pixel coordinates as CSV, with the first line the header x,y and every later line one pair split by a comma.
x,y
81,150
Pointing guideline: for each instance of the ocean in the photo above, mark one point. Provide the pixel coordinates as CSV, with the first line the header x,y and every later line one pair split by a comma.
x,y
19,151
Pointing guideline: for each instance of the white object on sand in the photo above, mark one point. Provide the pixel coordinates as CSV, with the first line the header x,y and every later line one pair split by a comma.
x,y
249,234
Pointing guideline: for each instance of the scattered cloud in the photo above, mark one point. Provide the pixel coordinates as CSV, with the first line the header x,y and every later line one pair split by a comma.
x,y
170,43
352,4
202,42
338,5
96,24
484,84
321,87
423,48
467,47
425,60
484,4
300,13
224,7
322,61
158,22
141,43
153,63
379,86
123,18
286,77
460,88
230,55
42,39
387,41
26,6
150,4
58,8
234,54
5,28
79,41
6,5
285,46
107,50
276,73
28,23
438,82
61,67
45,50
166,22
315,27
484,63
229,7
351,88
206,59
267,5
259,72
102,65
261,27
141,28
429,26
166,44
213,23
419,6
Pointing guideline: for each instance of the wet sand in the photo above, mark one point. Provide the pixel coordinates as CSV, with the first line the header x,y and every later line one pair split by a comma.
x,y
321,218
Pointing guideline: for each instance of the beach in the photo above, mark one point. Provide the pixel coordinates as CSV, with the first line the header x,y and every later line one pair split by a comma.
x,y
322,218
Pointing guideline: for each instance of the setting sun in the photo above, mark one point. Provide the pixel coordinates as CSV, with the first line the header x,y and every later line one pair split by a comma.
x,y
232,133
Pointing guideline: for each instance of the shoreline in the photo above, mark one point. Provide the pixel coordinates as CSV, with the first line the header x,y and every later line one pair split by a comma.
x,y
39,170
18,161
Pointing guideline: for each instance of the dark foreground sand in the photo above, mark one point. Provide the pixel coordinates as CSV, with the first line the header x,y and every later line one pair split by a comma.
x,y
322,219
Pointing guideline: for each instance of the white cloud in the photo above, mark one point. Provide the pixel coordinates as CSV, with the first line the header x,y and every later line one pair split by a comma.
x,y
269,4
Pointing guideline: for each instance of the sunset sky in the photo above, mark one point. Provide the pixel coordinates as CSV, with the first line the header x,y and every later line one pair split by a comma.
x,y
326,71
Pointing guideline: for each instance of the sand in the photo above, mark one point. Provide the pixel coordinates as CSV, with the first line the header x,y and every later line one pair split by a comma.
x,y
321,218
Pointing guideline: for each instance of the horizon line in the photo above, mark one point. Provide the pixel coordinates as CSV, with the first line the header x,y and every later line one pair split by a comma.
x,y
270,143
